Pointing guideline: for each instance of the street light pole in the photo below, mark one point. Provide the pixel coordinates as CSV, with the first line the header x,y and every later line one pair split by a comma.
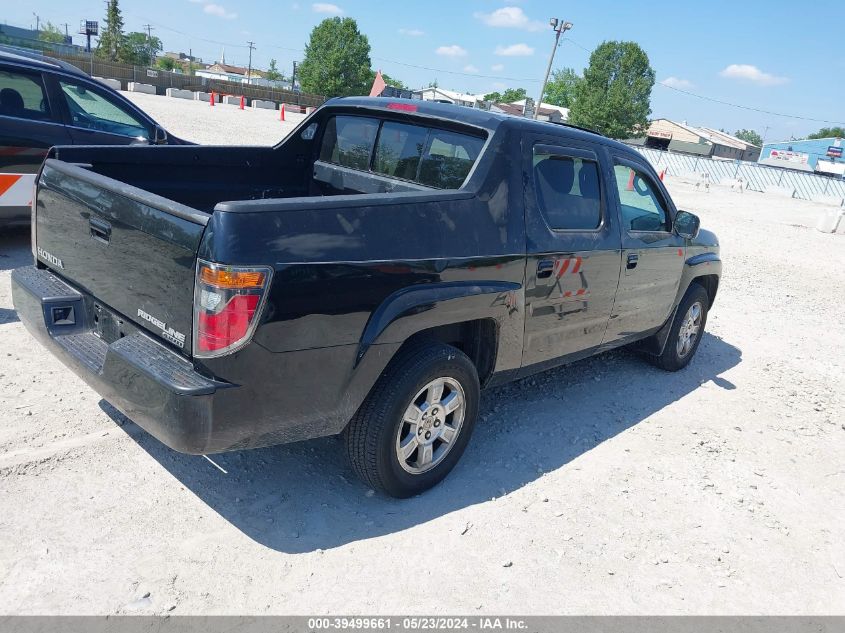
x,y
560,27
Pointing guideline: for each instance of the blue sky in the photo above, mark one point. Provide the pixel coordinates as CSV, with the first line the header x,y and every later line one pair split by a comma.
x,y
778,56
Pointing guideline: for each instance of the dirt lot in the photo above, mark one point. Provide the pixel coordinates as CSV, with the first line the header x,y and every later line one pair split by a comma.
x,y
604,487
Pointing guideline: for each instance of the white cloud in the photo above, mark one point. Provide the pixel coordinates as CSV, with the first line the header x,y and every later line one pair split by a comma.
x,y
497,68
675,82
753,74
219,11
514,50
412,32
511,18
469,68
451,51
325,7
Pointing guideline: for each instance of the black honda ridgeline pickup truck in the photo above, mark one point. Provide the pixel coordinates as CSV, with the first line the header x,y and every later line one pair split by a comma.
x,y
366,276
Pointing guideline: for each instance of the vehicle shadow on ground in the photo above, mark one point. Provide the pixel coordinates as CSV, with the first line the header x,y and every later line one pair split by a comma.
x,y
14,248
303,497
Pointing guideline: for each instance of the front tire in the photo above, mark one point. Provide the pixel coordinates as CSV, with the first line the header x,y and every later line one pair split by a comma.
x,y
416,422
687,330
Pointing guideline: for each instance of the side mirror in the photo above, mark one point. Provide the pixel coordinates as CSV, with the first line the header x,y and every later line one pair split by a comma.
x,y
159,136
687,225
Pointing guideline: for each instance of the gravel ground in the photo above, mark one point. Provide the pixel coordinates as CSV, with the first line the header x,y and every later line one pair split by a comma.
x,y
604,487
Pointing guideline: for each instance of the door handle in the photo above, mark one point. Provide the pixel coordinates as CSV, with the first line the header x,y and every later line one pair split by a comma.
x,y
545,268
100,230
633,260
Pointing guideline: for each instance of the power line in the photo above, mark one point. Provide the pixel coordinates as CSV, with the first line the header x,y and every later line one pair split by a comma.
x,y
752,109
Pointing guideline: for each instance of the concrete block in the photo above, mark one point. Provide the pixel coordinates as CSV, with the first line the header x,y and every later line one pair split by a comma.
x,y
232,100
111,83
202,96
134,86
832,222
785,192
178,93
266,105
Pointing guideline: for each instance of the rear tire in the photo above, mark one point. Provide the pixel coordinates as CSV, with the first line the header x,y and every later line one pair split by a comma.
x,y
416,422
687,330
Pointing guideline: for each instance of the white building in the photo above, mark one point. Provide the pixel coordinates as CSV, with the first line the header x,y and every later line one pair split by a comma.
x,y
447,96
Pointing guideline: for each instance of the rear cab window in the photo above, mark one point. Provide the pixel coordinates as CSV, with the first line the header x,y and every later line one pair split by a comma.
x,y
429,156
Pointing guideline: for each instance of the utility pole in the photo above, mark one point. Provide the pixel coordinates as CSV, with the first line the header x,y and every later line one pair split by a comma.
x,y
293,77
560,27
150,43
67,36
249,70
37,22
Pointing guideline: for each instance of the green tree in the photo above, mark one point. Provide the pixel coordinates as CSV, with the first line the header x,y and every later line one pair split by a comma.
x,y
513,94
167,63
337,60
829,132
750,136
273,73
140,48
51,33
495,97
560,90
614,97
112,41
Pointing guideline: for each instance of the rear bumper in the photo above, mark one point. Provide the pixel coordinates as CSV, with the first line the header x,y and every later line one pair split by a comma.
x,y
154,386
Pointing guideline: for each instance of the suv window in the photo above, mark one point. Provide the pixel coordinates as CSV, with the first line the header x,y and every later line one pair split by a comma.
x,y
92,110
22,95
568,191
642,206
433,157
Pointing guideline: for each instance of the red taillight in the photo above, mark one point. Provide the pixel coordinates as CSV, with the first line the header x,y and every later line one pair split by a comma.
x,y
227,300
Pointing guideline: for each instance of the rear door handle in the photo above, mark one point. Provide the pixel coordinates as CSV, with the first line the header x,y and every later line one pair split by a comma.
x,y
545,268
633,260
100,230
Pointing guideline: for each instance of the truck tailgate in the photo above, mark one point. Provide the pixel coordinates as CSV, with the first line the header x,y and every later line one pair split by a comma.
x,y
134,252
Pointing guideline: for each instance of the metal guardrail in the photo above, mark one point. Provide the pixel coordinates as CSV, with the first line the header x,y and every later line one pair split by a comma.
x,y
756,177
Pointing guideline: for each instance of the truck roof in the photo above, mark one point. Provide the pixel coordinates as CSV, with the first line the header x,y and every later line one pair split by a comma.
x,y
473,116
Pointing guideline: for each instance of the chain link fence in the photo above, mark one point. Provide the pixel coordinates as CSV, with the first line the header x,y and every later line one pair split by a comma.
x,y
754,176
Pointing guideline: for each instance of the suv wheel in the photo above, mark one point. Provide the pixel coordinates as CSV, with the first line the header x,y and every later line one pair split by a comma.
x,y
413,427
687,330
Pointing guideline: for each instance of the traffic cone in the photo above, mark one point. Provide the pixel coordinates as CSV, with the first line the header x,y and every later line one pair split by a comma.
x,y
211,101
242,102
282,113
630,186
662,173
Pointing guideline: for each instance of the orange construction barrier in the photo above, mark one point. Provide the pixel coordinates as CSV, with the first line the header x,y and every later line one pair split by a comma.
x,y
630,186
211,101
242,102
282,113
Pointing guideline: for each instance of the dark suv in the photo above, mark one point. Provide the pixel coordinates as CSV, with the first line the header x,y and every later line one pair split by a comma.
x,y
46,102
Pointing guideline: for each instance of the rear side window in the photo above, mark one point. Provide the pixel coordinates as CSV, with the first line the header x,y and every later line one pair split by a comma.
x,y
22,95
436,158
349,141
568,191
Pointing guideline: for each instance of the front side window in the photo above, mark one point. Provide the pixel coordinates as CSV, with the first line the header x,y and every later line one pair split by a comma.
x,y
641,204
568,191
93,111
432,157
23,96
349,140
